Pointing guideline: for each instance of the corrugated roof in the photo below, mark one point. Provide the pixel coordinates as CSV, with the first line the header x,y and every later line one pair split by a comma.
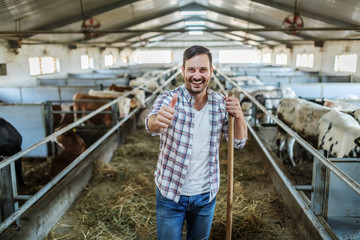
x,y
134,23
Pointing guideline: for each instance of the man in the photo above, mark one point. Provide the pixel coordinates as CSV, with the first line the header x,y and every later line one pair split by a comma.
x,y
190,121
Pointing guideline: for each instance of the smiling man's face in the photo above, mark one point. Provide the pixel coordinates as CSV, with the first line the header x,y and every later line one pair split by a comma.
x,y
197,73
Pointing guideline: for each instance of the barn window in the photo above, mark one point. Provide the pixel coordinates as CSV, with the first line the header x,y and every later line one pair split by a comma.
x,y
305,60
281,59
161,56
3,69
345,63
44,65
239,56
87,62
266,58
109,60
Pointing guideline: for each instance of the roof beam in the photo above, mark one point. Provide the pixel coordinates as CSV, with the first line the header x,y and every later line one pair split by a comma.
x,y
97,11
247,30
304,13
135,35
231,14
257,34
150,17
153,16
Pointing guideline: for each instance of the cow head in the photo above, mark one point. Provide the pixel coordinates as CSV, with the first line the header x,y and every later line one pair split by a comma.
x,y
140,98
124,107
357,141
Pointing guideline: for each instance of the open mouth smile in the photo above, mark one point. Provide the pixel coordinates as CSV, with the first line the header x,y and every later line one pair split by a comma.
x,y
197,83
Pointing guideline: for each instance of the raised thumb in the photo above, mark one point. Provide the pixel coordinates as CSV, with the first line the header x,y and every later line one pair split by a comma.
x,y
173,100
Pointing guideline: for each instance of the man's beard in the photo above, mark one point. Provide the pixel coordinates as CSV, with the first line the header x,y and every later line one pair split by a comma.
x,y
197,91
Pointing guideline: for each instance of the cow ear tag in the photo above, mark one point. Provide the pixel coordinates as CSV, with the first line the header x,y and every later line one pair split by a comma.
x,y
357,141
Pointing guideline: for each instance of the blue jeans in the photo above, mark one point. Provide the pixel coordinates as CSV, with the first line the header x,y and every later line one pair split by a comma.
x,y
196,210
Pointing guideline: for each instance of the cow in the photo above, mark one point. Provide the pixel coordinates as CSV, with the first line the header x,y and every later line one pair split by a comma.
x,y
73,145
150,85
137,97
301,116
123,107
343,106
355,114
10,144
270,98
114,87
247,80
339,135
105,93
60,119
338,104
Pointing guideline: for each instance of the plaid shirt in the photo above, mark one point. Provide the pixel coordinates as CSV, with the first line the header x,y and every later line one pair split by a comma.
x,y
176,141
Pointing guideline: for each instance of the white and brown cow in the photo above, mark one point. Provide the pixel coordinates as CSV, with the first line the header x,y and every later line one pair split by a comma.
x,y
10,144
72,146
137,98
91,105
340,105
60,119
150,85
339,135
116,88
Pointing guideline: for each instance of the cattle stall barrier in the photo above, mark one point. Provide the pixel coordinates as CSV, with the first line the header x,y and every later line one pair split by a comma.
x,y
40,94
42,210
314,217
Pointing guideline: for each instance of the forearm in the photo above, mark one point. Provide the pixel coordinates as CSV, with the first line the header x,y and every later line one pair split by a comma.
x,y
240,128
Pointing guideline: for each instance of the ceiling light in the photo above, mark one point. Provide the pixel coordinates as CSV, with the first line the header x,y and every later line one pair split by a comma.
x,y
196,32
195,28
187,13
194,23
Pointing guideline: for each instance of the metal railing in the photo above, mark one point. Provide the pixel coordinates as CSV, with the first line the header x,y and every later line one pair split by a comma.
x,y
31,200
332,167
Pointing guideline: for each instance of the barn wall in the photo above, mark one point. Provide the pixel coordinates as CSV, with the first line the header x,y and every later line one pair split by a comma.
x,y
333,48
18,73
18,67
308,49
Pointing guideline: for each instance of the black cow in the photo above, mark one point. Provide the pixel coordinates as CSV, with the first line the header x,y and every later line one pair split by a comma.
x,y
10,144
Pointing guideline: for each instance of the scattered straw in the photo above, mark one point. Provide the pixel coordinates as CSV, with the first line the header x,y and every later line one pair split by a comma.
x,y
120,201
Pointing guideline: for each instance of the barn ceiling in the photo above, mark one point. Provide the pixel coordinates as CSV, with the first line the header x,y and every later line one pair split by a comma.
x,y
162,23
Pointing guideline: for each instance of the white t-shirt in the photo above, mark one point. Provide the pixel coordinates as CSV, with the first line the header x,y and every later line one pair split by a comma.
x,y
197,180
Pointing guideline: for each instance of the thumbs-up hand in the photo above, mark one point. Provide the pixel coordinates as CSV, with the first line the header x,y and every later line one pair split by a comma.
x,y
157,123
173,101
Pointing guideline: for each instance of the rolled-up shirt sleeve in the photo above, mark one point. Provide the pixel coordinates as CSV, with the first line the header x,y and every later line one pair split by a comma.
x,y
240,143
163,98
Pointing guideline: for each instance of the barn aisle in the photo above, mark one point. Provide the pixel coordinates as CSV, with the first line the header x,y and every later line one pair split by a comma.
x,y
119,202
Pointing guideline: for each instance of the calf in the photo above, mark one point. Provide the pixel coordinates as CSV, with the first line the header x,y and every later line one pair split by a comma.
x,y
123,107
137,98
60,119
339,135
301,116
150,85
73,145
114,87
269,98
10,144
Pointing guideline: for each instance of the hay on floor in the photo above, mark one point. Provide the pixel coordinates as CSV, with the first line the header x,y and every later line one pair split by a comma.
x,y
120,201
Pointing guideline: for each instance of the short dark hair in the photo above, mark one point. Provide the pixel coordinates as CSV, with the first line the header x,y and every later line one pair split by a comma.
x,y
196,50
